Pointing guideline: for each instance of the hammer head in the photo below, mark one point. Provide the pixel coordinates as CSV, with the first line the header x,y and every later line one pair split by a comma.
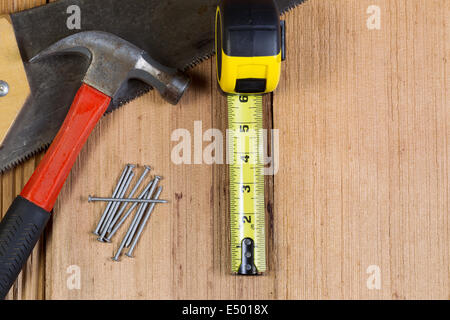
x,y
114,60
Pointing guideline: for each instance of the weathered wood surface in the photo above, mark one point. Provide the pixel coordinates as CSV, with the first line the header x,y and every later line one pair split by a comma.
x,y
363,119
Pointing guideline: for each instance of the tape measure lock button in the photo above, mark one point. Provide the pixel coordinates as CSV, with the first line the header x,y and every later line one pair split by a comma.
x,y
250,85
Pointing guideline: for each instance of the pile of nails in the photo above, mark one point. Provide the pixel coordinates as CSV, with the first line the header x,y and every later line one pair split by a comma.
x,y
113,216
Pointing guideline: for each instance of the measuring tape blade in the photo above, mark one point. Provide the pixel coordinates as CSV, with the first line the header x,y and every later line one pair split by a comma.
x,y
247,210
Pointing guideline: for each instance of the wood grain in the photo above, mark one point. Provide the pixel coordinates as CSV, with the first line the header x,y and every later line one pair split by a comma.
x,y
368,147
363,173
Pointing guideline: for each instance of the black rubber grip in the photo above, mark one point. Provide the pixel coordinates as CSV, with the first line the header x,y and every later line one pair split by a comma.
x,y
20,229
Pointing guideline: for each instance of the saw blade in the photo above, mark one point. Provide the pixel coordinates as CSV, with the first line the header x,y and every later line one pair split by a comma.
x,y
176,33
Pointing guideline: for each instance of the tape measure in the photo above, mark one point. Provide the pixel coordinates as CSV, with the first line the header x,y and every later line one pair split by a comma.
x,y
250,48
247,210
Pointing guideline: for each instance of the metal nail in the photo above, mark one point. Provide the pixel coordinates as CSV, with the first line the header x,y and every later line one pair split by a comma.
x,y
4,88
126,200
119,194
136,221
143,224
138,217
130,229
115,206
116,190
113,209
127,214
119,251
130,195
124,240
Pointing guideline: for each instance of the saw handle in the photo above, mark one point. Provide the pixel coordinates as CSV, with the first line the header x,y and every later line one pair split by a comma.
x,y
27,217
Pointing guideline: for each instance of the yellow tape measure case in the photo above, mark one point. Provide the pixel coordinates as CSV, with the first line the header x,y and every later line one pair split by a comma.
x,y
250,46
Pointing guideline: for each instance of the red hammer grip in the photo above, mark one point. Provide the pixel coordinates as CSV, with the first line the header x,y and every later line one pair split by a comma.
x,y
47,180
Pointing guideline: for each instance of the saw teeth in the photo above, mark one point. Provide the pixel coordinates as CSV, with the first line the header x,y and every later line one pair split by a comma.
x,y
124,102
29,155
196,61
292,5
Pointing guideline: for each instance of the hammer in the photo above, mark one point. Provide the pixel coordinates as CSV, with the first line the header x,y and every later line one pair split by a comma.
x,y
113,61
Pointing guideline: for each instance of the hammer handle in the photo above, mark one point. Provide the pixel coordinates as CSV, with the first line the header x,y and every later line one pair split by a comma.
x,y
28,215
47,180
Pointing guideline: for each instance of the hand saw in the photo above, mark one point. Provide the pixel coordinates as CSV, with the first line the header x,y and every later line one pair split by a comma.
x,y
176,33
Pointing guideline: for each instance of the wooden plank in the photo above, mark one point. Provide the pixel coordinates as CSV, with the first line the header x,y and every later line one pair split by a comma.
x,y
363,173
363,118
30,284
